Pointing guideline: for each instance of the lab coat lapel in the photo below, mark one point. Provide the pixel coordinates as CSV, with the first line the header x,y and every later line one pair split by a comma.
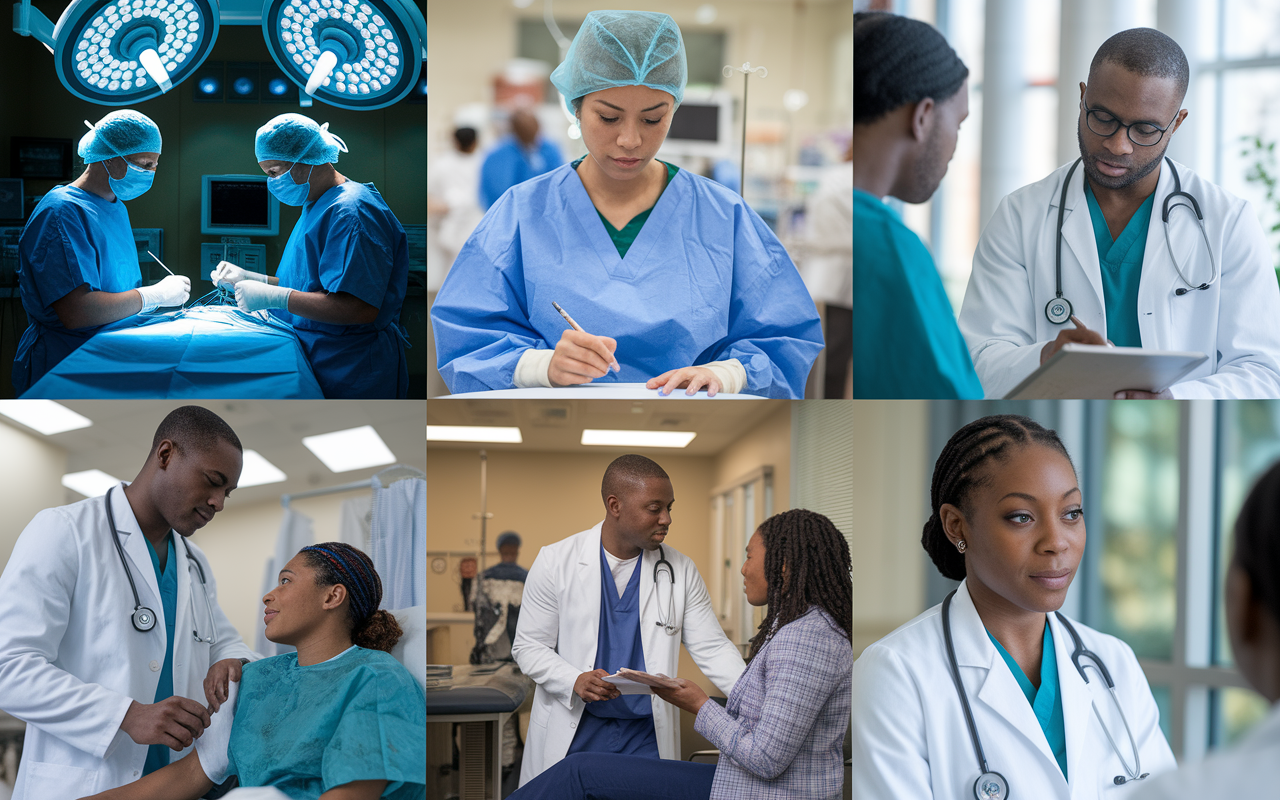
x,y
136,552
1077,710
1159,279
590,228
585,579
1078,239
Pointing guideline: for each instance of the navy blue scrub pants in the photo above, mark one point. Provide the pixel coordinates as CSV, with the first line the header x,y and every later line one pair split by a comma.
x,y
607,776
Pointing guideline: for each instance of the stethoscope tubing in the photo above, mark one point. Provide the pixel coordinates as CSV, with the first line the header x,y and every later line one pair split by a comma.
x,y
668,625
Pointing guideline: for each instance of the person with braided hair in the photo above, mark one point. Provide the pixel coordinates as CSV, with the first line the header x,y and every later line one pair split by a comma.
x,y
910,94
1252,599
340,719
781,734
1007,522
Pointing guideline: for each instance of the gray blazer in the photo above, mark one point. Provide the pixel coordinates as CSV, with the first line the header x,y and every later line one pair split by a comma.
x,y
782,733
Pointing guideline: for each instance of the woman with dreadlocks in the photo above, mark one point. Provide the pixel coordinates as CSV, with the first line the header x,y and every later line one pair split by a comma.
x,y
340,719
781,734
994,694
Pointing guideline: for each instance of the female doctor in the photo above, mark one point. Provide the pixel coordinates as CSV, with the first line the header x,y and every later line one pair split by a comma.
x,y
1007,522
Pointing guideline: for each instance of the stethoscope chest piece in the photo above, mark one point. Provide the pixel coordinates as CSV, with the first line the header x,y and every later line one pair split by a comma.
x,y
1058,310
144,619
991,786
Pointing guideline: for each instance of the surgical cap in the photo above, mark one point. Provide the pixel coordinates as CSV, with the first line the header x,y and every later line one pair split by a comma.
x,y
510,537
623,48
120,133
297,139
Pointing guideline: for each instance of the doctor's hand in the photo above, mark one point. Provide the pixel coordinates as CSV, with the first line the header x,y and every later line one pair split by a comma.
x,y
1079,334
691,379
1139,394
590,688
216,682
229,274
689,696
581,357
174,290
174,722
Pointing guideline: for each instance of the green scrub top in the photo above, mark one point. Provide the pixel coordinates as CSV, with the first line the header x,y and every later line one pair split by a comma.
x,y
622,239
1121,262
908,344
1046,702
158,754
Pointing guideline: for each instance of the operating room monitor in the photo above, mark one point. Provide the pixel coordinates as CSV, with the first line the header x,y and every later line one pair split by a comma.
x,y
701,125
238,205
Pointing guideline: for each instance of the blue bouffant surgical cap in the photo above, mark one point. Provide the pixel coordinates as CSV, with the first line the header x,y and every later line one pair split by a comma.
x,y
120,133
623,48
297,139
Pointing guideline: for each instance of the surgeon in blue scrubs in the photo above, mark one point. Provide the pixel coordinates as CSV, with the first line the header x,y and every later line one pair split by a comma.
x,y
521,156
910,96
675,280
77,262
345,269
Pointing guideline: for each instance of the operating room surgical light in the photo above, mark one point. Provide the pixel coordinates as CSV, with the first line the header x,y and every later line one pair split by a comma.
x,y
356,54
121,52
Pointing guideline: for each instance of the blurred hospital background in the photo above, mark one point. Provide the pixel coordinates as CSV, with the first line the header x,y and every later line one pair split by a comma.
x,y
731,466
499,54
361,481
207,122
1026,60
1162,484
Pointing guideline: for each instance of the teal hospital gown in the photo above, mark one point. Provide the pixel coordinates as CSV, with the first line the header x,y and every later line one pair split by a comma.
x,y
907,344
304,730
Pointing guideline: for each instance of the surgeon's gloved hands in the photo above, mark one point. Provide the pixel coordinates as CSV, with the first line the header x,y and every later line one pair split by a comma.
x,y
174,722
581,358
217,681
172,291
230,275
591,688
253,296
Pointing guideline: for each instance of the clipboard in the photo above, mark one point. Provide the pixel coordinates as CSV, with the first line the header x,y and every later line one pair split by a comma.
x,y
1097,372
630,681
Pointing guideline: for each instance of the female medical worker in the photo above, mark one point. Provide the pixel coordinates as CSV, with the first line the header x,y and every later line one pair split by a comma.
x,y
77,262
1249,768
345,269
1007,522
675,280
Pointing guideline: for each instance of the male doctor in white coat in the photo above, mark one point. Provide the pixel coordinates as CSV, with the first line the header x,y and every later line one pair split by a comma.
x,y
89,683
592,605
1120,282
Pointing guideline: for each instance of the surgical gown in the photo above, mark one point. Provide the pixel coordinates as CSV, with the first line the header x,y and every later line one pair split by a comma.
x,y
73,237
511,162
349,241
705,280
304,730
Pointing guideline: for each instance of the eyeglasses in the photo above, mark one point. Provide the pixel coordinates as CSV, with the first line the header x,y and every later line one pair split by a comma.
x,y
1143,134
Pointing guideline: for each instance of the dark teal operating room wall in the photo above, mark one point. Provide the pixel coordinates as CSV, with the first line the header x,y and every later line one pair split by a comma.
x,y
388,148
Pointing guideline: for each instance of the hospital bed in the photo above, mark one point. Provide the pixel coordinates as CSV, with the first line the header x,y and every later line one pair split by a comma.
x,y
212,351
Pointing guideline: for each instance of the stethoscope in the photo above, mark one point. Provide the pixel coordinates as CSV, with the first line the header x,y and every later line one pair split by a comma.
x,y
1058,310
143,618
668,624
992,785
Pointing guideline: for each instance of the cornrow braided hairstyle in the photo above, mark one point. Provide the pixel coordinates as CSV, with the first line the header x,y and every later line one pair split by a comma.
x,y
959,470
896,61
1258,539
339,563
818,572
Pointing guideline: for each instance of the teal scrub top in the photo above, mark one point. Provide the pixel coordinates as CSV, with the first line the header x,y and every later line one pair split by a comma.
x,y
1121,262
1046,702
622,239
909,346
158,754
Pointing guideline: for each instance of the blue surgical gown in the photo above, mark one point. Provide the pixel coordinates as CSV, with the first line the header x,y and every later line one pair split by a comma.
x,y
349,241
510,163
73,238
706,280
304,730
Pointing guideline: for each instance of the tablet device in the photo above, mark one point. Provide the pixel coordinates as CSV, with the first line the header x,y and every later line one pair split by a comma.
x,y
1097,372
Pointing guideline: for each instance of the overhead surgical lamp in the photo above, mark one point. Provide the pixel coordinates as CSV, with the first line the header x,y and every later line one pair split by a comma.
x,y
356,54
122,52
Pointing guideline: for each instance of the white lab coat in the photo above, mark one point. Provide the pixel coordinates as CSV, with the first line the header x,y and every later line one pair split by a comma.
x,y
1236,321
559,625
71,661
1248,770
909,733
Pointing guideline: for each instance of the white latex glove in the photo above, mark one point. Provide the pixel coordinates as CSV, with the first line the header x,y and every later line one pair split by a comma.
x,y
253,296
172,291
229,274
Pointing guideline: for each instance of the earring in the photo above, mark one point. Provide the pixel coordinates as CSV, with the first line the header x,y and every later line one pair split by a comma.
x,y
961,546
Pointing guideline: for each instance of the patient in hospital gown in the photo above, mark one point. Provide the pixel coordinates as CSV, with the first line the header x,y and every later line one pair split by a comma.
x,y
308,722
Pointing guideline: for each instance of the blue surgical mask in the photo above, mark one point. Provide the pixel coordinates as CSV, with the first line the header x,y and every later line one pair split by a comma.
x,y
288,192
135,183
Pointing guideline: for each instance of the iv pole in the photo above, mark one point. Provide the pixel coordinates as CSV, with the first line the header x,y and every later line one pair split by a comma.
x,y
746,69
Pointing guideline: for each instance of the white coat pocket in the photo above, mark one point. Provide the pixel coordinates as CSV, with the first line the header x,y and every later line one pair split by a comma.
x,y
59,781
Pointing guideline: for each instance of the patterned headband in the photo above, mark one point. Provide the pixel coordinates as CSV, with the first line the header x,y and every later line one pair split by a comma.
x,y
357,574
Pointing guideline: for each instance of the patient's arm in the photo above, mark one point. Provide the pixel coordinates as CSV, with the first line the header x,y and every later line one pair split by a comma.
x,y
181,780
356,790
